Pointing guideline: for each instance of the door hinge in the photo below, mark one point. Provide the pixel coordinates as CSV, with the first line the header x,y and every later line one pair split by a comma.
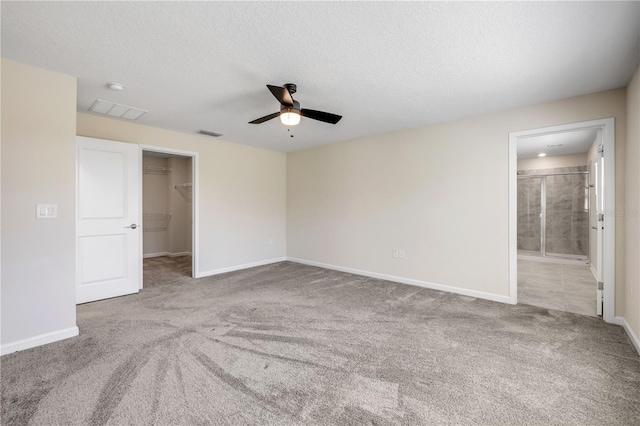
x,y
601,149
600,285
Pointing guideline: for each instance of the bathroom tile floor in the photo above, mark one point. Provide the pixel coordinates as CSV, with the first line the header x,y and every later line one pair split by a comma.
x,y
570,288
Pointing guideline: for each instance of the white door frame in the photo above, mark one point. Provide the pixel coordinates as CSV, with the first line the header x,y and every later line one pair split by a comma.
x,y
195,252
608,140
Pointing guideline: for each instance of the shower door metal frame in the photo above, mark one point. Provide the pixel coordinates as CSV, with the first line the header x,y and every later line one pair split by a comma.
x,y
543,208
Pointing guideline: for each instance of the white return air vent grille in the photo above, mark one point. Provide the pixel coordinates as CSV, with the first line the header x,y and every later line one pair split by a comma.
x,y
116,110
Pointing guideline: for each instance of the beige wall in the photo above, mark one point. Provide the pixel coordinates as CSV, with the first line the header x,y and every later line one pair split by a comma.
x,y
552,162
241,188
439,192
632,198
38,166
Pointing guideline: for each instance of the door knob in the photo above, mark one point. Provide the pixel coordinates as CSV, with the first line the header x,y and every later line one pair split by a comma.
x,y
132,226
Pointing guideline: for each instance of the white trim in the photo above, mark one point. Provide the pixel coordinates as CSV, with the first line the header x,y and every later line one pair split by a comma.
x,y
39,340
239,267
627,327
166,253
195,211
608,139
409,281
594,272
159,254
195,203
182,253
608,270
513,219
140,219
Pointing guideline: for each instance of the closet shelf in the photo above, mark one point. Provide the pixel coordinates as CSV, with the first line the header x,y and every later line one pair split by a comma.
x,y
185,189
155,221
156,170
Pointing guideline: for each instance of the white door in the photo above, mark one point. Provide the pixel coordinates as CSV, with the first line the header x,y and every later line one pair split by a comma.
x,y
598,178
107,219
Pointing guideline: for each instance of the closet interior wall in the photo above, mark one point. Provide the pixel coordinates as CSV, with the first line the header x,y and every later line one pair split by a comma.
x,y
166,206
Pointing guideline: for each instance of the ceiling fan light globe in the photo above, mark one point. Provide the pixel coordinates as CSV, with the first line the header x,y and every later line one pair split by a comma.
x,y
290,118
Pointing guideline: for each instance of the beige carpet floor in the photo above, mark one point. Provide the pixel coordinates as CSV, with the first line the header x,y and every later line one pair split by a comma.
x,y
288,344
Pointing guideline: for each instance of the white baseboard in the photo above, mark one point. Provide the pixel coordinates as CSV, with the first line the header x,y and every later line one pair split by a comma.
x,y
401,280
181,253
239,267
166,253
40,340
627,327
159,254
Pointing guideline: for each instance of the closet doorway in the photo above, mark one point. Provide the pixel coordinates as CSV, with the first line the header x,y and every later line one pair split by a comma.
x,y
169,222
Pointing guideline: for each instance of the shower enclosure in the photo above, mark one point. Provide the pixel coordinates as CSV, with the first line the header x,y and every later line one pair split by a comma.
x,y
553,213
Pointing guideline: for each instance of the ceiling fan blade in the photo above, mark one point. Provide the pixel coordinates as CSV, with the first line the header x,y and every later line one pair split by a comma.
x,y
320,115
282,95
265,118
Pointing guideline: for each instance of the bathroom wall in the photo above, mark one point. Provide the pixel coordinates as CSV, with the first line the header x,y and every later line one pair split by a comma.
x,y
552,161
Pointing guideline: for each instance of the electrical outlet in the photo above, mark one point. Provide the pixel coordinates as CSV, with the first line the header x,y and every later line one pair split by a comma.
x,y
270,241
398,253
46,211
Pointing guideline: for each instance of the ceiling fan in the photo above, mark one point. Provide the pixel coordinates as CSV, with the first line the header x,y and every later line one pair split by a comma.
x,y
290,111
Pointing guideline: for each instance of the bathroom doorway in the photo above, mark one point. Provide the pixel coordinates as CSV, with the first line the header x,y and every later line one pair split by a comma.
x,y
558,197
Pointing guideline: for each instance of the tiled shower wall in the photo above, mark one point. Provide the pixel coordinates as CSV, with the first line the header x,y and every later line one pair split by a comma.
x,y
567,225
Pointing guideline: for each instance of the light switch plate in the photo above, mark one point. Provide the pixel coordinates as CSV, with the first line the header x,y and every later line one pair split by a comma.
x,y
46,211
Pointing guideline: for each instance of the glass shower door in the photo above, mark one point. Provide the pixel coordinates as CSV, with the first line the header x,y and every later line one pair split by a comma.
x,y
567,215
529,214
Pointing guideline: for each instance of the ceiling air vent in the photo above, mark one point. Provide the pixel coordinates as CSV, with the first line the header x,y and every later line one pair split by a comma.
x,y
209,133
116,110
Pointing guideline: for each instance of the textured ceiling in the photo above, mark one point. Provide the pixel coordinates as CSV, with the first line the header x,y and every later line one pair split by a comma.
x,y
574,142
384,66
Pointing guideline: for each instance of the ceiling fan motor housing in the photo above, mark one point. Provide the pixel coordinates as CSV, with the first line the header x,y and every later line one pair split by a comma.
x,y
292,88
